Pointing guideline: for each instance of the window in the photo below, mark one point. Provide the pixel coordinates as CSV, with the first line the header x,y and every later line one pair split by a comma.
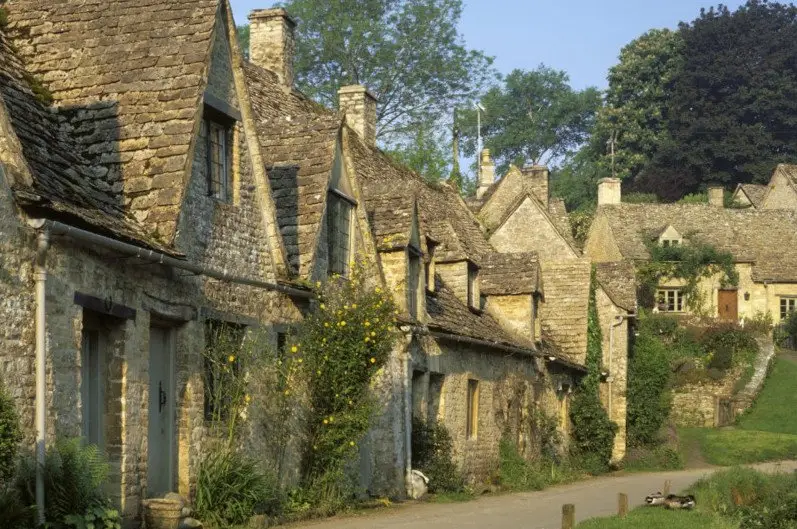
x,y
413,281
787,306
91,390
223,344
474,297
429,266
219,155
670,300
339,211
670,242
472,427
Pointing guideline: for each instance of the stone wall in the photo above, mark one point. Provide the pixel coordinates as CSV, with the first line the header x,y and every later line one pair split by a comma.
x,y
697,405
529,230
781,195
514,313
615,361
455,276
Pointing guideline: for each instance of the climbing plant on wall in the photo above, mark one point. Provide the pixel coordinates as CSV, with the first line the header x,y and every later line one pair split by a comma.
x,y
689,262
593,431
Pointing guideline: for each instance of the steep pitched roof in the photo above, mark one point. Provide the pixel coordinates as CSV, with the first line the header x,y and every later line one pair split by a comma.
x,y
564,313
618,280
766,238
440,207
510,273
61,181
130,75
448,314
390,217
298,139
755,193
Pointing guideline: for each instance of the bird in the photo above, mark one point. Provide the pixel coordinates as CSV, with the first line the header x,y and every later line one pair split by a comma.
x,y
679,502
657,498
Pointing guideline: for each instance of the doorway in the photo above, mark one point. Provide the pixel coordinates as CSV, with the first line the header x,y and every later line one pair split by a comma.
x,y
162,419
728,305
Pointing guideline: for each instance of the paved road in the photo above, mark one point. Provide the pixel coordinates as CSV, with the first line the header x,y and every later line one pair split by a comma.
x,y
530,510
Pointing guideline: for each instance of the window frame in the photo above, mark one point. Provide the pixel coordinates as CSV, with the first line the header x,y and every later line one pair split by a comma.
x,y
92,390
220,127
472,419
785,302
336,265
414,257
473,294
678,300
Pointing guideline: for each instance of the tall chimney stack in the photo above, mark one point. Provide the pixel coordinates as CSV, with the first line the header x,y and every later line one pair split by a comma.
x,y
359,106
486,173
272,43
609,191
537,177
716,196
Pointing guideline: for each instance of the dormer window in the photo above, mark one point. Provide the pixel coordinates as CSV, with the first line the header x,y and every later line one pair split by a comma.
x,y
670,237
413,280
218,128
474,297
339,218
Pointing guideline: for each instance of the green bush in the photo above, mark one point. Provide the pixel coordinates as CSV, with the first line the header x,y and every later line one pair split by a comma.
x,y
790,327
74,481
649,398
13,512
10,436
432,454
760,324
231,488
654,459
728,345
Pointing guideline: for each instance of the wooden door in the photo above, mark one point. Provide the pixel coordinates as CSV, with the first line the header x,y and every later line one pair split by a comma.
x,y
161,431
728,305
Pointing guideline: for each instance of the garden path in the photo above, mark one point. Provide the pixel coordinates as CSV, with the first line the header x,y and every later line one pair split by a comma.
x,y
528,510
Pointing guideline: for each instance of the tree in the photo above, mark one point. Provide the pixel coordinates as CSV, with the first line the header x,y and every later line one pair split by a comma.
x,y
424,154
409,53
732,106
634,115
535,117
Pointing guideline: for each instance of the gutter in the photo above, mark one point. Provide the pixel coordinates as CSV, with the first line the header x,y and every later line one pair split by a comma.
x,y
502,347
154,257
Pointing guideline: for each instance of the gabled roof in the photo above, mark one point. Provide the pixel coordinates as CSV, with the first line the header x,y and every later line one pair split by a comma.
x,y
755,193
298,139
766,238
61,181
442,211
129,74
618,280
564,313
510,273
391,219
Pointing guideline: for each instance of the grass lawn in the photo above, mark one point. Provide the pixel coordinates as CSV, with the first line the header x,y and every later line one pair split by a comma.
x,y
659,518
766,433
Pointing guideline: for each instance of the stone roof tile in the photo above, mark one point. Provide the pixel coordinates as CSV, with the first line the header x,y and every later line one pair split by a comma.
x,y
510,273
390,218
755,192
618,280
564,313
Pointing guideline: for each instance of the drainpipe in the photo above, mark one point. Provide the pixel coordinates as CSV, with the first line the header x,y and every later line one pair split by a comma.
x,y
407,416
40,276
618,320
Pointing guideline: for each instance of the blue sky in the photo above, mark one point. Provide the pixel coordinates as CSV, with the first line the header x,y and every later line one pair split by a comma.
x,y
581,37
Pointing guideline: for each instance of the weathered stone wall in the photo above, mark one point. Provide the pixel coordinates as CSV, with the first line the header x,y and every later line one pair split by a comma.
x,y
271,42
359,106
395,269
529,230
514,313
781,195
615,361
455,276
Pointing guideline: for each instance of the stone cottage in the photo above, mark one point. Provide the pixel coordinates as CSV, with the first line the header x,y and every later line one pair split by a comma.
x,y
518,214
763,243
136,215
779,193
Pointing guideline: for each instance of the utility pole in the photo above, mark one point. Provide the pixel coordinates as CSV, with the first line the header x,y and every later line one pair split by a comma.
x,y
479,110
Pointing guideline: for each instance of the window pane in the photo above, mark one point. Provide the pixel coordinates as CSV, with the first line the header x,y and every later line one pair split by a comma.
x,y
338,222
472,426
218,160
91,390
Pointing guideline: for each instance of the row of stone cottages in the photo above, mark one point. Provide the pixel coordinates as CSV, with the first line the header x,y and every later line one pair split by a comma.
x,y
154,183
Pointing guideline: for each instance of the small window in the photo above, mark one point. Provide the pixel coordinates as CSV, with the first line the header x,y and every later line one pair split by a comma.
x,y
474,297
670,300
223,344
429,265
219,158
413,280
339,211
472,427
787,306
666,243
91,390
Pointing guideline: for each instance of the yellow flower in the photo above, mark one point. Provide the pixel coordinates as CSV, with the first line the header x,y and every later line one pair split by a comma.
x,y
318,372
294,349
367,339
353,305
350,402
378,290
318,284
326,421
342,323
331,418
373,333
287,392
373,360
351,443
248,399
367,323
345,307
326,324
322,306
231,359
301,360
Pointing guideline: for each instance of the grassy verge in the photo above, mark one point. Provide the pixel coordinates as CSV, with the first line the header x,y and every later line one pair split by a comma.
x,y
773,410
655,518
653,459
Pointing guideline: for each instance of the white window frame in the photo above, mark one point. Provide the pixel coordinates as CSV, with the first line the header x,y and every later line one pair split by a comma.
x,y
788,304
674,297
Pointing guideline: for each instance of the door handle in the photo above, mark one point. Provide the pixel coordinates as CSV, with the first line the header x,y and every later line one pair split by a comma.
x,y
161,397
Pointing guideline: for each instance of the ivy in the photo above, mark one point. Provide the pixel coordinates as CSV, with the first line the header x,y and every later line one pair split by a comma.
x,y
689,262
593,430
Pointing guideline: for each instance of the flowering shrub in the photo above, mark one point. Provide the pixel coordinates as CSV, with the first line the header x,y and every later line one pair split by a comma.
x,y
340,348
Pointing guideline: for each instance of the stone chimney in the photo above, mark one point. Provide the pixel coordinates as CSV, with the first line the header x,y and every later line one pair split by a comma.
x,y
272,43
359,106
537,178
716,196
486,173
609,191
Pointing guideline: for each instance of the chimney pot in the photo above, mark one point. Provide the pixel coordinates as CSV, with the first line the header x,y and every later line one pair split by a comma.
x,y
359,106
716,196
609,191
486,173
272,43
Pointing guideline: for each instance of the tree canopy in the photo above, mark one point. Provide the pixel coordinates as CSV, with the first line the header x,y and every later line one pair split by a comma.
x,y
534,117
